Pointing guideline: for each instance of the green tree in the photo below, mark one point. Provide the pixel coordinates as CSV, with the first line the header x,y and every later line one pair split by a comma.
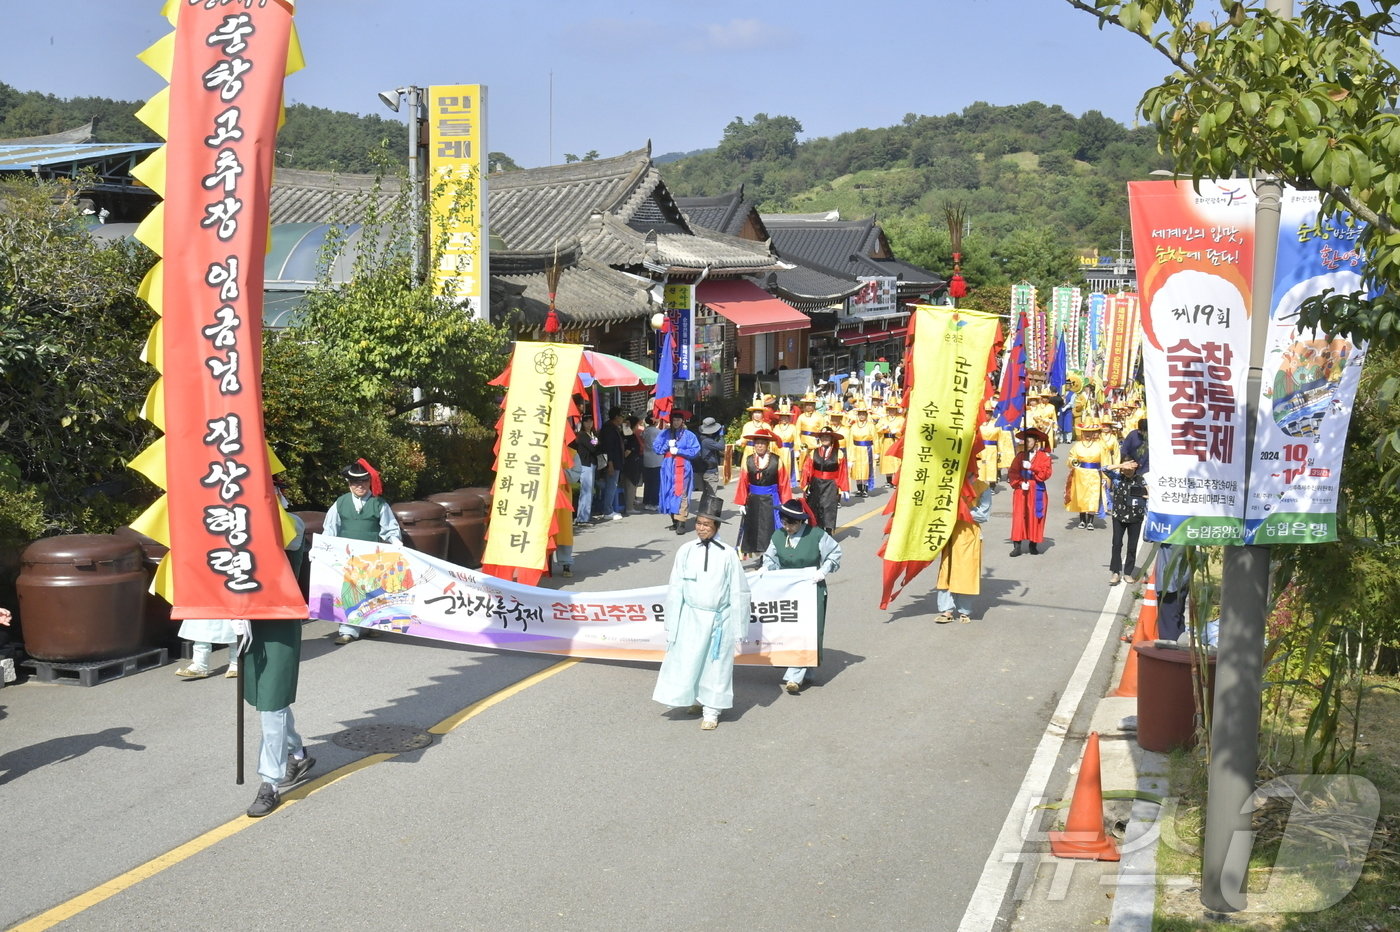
x,y
765,138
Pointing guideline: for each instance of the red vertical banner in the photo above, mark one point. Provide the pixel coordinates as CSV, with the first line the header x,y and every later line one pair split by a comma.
x,y
225,63
1122,327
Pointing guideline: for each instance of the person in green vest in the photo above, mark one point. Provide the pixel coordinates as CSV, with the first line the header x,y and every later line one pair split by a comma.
x,y
362,514
796,544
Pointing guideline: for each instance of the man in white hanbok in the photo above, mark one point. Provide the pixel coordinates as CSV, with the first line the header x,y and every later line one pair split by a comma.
x,y
707,613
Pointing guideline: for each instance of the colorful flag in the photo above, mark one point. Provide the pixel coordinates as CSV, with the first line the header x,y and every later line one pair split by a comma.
x,y
220,514
665,377
1059,368
1011,408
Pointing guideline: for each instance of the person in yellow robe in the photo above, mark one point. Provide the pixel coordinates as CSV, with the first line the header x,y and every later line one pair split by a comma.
x,y
787,447
987,469
1084,481
890,431
836,420
809,424
758,421
960,571
1042,414
1006,452
863,440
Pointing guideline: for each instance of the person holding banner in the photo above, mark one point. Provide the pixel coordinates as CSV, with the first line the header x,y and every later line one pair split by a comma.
x,y
677,446
960,570
1029,503
707,613
763,486
824,478
1084,484
797,544
362,514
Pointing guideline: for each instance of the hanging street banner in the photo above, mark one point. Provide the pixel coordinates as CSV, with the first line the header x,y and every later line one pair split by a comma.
x,y
220,514
530,459
1309,384
397,589
1195,260
1091,343
950,356
1122,333
459,223
679,300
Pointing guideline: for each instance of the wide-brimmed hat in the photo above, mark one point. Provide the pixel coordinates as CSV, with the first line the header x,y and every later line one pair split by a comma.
x,y
710,426
767,436
829,431
1091,425
755,407
1032,433
792,511
712,507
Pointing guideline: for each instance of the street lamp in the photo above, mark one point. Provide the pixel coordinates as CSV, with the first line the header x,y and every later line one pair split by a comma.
x,y
414,96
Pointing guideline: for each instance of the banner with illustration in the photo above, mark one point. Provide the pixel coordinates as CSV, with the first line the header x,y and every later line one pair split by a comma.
x,y
397,589
950,356
1309,383
220,514
530,459
1195,255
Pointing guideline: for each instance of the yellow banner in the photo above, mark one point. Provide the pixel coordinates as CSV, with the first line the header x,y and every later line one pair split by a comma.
x,y
457,194
530,454
949,358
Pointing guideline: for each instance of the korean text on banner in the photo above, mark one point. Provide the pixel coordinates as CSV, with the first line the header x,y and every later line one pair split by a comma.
x,y
1195,256
1309,384
950,356
1122,328
220,515
680,309
530,454
368,584
459,221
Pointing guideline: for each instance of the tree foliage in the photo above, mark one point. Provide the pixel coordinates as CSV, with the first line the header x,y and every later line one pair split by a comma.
x,y
71,379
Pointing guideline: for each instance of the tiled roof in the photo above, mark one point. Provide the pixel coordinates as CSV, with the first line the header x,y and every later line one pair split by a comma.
x,y
328,197
843,248
808,288
588,292
728,213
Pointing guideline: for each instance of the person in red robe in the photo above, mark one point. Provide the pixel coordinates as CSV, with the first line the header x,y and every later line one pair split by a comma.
x,y
1029,470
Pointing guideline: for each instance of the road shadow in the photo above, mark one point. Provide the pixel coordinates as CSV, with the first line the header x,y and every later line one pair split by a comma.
x,y
760,687
17,763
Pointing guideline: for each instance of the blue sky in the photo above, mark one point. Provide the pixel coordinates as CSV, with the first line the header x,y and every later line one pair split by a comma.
x,y
624,72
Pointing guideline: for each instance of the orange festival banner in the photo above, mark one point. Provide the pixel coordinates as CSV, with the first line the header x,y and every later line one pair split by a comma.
x,y
220,516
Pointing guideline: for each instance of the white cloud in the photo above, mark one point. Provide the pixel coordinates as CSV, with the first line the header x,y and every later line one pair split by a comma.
x,y
741,34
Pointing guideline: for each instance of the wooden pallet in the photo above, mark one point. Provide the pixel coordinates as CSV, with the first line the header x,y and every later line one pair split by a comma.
x,y
100,671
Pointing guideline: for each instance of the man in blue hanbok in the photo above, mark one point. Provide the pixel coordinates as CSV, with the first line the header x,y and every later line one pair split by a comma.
x,y
677,446
707,613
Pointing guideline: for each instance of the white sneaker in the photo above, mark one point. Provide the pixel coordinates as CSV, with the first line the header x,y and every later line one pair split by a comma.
x,y
616,516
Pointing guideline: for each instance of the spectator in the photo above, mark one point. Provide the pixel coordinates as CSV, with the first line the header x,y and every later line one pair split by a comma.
x,y
611,453
632,464
651,465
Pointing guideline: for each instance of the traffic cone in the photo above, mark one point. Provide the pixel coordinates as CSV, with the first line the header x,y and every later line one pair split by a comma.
x,y
1146,630
1084,837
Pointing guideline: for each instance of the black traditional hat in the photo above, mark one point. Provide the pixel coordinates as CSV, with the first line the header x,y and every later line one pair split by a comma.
x,y
792,510
712,507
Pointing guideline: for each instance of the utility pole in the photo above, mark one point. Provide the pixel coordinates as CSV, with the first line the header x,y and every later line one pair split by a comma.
x,y
1244,592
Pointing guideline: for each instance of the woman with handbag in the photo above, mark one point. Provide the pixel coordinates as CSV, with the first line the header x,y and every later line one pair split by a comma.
x,y
1129,506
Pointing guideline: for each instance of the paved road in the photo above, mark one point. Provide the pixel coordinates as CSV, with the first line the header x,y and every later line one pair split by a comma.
x,y
872,800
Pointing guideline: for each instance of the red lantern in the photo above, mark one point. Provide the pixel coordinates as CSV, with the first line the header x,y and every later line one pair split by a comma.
x,y
957,287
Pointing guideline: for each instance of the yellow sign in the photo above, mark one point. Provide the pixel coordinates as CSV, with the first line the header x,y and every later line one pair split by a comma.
x,y
530,455
458,219
950,355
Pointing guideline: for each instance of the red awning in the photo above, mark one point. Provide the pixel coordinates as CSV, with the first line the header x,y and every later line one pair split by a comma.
x,y
874,335
753,309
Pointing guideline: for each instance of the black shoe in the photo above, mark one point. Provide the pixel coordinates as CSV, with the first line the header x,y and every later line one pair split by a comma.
x,y
1034,548
1016,549
267,800
297,768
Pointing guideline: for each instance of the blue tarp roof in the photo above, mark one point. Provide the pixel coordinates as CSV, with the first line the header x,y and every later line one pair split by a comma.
x,y
29,157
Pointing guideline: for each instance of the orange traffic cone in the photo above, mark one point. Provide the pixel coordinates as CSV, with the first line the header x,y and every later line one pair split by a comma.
x,y
1146,630
1084,837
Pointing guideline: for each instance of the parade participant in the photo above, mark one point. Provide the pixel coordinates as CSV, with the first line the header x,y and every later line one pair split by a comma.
x,y
786,447
1128,490
1042,415
1084,483
836,419
824,478
361,514
890,431
796,544
205,633
809,422
707,614
1029,502
987,469
1006,452
864,460
763,486
960,570
677,447
1110,437
758,420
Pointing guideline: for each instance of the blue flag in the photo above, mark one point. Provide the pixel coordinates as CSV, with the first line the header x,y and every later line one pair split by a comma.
x,y
1059,369
665,377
